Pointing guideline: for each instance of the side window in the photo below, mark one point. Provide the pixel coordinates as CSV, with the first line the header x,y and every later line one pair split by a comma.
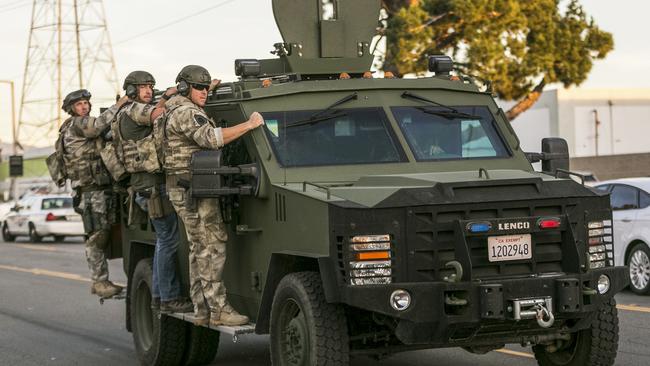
x,y
644,200
624,198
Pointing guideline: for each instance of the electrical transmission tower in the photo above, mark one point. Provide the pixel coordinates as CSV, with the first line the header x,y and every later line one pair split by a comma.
x,y
69,48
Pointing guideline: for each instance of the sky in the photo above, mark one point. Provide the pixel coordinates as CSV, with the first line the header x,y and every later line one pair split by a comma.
x,y
234,29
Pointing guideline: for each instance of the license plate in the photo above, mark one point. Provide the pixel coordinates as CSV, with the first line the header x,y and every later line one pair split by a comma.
x,y
73,218
509,247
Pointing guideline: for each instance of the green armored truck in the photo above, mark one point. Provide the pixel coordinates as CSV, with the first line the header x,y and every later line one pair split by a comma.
x,y
378,215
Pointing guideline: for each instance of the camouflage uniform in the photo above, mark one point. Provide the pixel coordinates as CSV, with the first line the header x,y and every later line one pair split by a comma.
x,y
82,143
189,130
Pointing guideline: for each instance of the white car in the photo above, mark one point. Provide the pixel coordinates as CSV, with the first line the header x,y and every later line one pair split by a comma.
x,y
37,216
630,198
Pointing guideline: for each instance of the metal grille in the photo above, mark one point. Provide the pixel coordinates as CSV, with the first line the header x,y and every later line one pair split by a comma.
x,y
432,236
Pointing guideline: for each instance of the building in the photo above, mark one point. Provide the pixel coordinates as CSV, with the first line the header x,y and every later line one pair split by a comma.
x,y
607,130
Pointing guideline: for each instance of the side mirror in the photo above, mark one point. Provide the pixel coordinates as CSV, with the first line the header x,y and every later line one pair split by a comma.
x,y
554,155
557,154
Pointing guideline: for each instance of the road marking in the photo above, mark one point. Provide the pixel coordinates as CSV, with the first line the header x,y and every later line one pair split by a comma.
x,y
515,353
641,309
48,273
37,247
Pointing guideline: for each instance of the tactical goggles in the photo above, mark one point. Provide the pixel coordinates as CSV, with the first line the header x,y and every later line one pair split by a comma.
x,y
200,86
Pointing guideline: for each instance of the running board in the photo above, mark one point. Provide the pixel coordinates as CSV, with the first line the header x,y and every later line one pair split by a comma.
x,y
234,331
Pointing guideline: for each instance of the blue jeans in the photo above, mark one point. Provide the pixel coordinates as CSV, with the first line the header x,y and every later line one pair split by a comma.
x,y
165,282
166,285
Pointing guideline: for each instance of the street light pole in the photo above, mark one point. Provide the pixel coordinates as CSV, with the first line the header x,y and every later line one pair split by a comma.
x,y
14,186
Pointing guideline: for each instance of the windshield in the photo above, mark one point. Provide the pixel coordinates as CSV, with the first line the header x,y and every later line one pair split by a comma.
x,y
54,203
433,133
342,136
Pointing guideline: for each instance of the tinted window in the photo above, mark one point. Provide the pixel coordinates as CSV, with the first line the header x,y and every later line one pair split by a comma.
x,y
54,203
644,200
624,197
434,135
337,137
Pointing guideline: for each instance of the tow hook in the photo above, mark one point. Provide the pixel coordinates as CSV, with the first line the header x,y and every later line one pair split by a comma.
x,y
458,269
539,309
545,317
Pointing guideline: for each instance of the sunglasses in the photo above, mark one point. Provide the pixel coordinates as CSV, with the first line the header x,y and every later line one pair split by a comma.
x,y
200,86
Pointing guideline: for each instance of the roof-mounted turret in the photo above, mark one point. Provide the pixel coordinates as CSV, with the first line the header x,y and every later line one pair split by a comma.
x,y
317,41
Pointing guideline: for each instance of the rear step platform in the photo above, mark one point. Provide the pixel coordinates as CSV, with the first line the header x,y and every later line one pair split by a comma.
x,y
234,331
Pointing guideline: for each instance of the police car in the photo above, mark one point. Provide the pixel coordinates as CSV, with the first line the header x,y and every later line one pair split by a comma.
x,y
37,216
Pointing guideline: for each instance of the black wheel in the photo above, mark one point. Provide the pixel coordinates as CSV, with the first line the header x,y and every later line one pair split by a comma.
x,y
305,329
6,235
638,262
159,340
202,345
596,346
33,235
59,238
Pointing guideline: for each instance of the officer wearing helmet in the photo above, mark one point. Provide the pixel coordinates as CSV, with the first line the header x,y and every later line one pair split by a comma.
x,y
188,130
135,149
78,148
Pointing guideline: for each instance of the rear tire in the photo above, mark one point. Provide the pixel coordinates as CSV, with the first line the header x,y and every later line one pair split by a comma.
x,y
6,235
638,262
202,345
33,235
59,237
305,329
159,340
596,346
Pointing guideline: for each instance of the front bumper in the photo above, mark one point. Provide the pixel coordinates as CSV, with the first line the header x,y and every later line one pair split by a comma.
x,y
431,319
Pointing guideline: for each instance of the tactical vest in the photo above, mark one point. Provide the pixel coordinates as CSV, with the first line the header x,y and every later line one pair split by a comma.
x,y
178,150
87,169
132,155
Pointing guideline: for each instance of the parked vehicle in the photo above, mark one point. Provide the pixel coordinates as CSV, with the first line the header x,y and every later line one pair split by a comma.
x,y
38,216
630,200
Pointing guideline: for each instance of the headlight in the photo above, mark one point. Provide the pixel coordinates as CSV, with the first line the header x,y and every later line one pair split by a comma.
x,y
603,284
370,262
400,300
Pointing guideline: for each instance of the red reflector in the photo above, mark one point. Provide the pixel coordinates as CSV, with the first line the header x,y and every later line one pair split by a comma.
x,y
549,223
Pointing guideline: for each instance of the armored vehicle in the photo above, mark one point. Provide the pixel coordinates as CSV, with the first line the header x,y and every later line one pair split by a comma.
x,y
376,215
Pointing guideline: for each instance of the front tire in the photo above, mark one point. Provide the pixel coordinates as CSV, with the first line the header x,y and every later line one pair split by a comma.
x,y
596,346
159,340
33,235
59,238
6,235
305,329
639,267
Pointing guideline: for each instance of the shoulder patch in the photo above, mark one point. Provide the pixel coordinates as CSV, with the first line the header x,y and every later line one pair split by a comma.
x,y
199,119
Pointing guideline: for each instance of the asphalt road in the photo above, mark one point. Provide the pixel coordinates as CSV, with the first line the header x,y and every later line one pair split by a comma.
x,y
48,317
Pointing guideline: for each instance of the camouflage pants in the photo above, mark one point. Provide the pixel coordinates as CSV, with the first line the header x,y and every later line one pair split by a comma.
x,y
207,237
95,207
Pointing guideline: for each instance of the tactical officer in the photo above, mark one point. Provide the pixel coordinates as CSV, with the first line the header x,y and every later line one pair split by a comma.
x,y
188,130
135,148
78,146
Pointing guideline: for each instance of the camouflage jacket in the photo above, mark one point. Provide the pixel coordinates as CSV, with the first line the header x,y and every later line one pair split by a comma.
x,y
82,144
188,129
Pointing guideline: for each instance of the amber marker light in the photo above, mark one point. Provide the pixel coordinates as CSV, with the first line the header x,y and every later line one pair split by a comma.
x,y
369,256
266,83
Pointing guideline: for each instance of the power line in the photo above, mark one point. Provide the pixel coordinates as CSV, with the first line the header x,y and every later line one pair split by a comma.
x,y
200,12
9,8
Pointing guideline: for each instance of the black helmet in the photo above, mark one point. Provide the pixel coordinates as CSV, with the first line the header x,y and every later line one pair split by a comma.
x,y
194,74
74,97
139,78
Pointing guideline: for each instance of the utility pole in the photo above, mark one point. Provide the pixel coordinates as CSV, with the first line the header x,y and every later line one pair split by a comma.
x,y
69,48
14,187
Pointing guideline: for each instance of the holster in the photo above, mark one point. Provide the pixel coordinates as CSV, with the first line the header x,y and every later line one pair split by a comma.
x,y
137,215
76,201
